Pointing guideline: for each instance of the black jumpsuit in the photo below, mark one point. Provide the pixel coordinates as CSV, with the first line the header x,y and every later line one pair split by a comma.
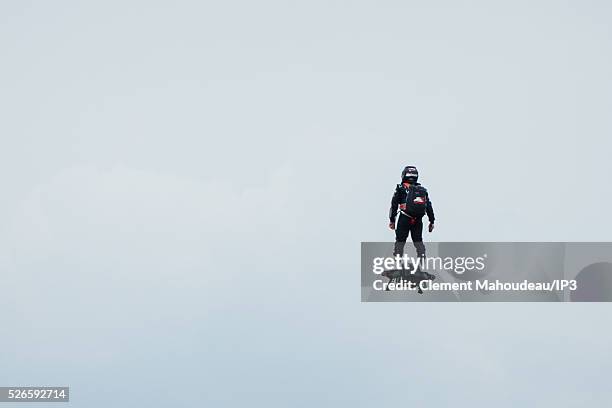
x,y
408,224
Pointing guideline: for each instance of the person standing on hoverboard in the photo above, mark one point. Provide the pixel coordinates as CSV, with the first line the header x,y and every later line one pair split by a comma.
x,y
409,204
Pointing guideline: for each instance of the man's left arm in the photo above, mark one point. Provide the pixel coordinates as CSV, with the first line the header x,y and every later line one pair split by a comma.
x,y
430,214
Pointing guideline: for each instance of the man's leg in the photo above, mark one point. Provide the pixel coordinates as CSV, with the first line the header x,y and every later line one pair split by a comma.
x,y
416,230
401,235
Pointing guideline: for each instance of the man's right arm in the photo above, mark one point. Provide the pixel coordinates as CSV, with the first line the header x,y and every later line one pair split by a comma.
x,y
393,209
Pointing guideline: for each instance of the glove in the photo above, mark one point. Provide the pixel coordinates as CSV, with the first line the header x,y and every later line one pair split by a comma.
x,y
431,226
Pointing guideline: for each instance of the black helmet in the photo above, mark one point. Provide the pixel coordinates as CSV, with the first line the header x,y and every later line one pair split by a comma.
x,y
410,174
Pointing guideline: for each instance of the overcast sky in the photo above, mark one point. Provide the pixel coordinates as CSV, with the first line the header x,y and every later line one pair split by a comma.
x,y
186,185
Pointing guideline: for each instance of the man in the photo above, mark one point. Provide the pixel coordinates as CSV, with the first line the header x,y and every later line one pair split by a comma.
x,y
411,201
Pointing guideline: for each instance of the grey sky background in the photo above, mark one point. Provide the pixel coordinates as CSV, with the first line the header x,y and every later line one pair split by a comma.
x,y
186,184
